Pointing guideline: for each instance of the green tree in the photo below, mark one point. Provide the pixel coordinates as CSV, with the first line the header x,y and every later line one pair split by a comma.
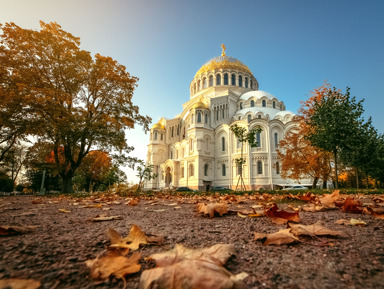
x,y
144,173
243,135
76,102
335,121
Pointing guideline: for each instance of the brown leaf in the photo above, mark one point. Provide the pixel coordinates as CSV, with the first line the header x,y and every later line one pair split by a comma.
x,y
135,238
64,211
119,266
275,212
193,269
19,284
15,230
312,208
101,218
377,213
283,236
352,206
328,200
316,229
133,202
211,209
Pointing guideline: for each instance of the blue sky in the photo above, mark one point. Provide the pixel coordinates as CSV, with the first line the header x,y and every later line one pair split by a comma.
x,y
290,46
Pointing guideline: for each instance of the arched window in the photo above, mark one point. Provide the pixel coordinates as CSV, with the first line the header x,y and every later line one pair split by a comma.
x,y
223,144
206,118
223,170
155,135
246,82
171,155
217,114
251,83
199,117
183,152
258,140
252,103
211,81
276,140
249,118
238,169
191,144
259,116
194,88
191,170
274,104
199,85
204,82
233,80
222,112
218,79
259,167
161,136
206,170
226,79
240,80
277,168
182,172
241,105
264,103
172,132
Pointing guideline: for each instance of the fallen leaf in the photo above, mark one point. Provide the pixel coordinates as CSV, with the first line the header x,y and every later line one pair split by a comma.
x,y
193,269
212,208
135,238
19,284
328,200
101,218
93,206
275,212
283,236
358,222
377,213
64,211
133,202
352,206
316,229
312,208
15,230
117,265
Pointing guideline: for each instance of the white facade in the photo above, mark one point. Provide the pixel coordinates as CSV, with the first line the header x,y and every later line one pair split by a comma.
x,y
197,149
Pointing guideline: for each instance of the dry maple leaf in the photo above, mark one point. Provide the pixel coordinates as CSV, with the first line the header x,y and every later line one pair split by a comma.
x,y
14,230
133,202
19,284
328,200
377,213
316,229
182,267
135,238
114,264
211,209
274,212
352,206
283,236
312,208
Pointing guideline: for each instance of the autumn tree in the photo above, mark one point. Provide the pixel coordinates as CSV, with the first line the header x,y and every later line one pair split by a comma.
x,y
299,159
244,136
75,101
14,161
334,121
95,167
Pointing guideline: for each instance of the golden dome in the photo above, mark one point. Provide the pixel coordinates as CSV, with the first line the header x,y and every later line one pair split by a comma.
x,y
200,104
158,126
223,62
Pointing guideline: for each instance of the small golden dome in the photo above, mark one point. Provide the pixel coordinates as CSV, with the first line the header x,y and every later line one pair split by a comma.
x,y
158,126
200,104
223,62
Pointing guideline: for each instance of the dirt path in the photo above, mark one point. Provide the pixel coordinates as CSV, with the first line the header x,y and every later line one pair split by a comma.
x,y
56,251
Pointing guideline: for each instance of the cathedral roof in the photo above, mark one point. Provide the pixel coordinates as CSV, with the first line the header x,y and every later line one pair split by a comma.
x,y
223,62
257,94
200,104
272,112
158,126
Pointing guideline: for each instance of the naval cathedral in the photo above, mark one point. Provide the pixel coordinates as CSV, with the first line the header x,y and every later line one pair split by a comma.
x,y
197,149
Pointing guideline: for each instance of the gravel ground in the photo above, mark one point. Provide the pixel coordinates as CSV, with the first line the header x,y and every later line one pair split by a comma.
x,y
55,252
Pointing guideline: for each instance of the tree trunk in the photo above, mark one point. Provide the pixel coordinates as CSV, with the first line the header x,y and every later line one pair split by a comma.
x,y
336,173
67,186
314,183
357,178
